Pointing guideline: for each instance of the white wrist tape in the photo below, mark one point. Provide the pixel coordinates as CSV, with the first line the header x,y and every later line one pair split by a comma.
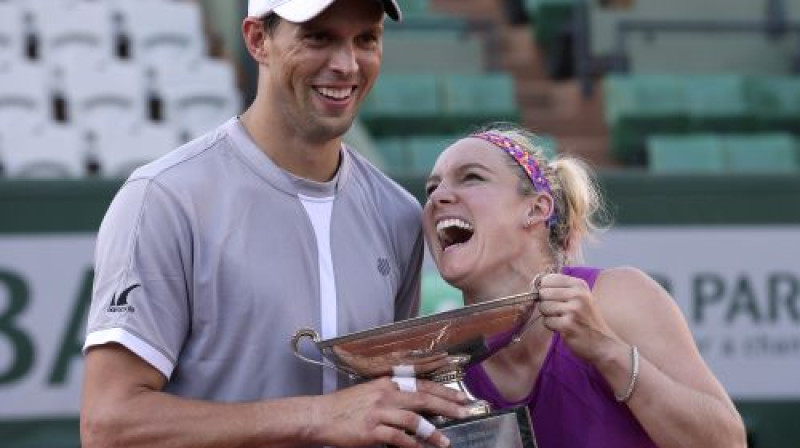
x,y
403,370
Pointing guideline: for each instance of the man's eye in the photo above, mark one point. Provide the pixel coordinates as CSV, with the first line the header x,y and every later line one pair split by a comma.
x,y
368,39
316,38
430,188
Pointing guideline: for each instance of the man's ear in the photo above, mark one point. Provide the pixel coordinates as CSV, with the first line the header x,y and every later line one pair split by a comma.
x,y
255,37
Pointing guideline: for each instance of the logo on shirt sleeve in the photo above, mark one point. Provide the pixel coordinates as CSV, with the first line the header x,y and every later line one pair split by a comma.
x,y
120,304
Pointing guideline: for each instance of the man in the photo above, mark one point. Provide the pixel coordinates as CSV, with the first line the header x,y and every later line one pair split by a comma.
x,y
209,259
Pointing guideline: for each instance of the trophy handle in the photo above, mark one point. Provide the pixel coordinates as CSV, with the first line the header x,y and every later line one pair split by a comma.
x,y
314,336
531,319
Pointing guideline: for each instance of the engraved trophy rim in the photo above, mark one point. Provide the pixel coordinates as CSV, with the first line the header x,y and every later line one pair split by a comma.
x,y
439,347
433,344
430,318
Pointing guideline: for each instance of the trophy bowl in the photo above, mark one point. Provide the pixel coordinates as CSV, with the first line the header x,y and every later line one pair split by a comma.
x,y
440,347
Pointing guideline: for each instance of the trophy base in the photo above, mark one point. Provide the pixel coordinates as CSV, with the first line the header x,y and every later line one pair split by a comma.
x,y
507,428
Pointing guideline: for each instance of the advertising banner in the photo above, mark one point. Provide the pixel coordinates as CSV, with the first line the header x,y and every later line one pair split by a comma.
x,y
739,289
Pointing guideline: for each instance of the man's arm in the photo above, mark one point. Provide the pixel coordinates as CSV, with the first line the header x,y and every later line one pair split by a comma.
x,y
124,405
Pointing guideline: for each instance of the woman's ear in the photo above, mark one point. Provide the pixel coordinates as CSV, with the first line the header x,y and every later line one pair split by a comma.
x,y
255,37
540,207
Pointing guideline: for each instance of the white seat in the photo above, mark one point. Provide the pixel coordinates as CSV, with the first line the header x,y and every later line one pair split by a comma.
x,y
200,97
51,151
12,33
113,95
163,32
120,151
25,96
75,32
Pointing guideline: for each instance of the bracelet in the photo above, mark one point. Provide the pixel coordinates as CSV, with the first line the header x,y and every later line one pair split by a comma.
x,y
634,375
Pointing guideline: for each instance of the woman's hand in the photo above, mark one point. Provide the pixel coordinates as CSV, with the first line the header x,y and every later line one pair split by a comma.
x,y
569,308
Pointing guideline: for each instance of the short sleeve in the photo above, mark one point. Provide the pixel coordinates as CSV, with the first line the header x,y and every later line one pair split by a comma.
x,y
140,297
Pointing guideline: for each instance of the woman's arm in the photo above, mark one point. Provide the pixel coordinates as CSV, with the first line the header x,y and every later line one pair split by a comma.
x,y
677,399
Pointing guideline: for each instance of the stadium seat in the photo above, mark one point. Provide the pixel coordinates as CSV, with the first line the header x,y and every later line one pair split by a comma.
x,y
112,95
775,101
50,151
685,154
432,50
75,33
551,22
400,104
437,294
359,138
163,32
421,11
417,8
12,34
395,154
549,17
547,145
638,106
472,100
25,96
198,97
425,149
760,153
717,103
118,151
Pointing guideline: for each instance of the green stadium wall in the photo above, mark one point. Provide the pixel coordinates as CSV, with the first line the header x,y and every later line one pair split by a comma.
x,y
47,235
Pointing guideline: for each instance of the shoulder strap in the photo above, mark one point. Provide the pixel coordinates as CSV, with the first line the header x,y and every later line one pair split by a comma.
x,y
586,273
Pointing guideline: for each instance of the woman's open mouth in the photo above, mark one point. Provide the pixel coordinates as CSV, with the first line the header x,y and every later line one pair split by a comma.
x,y
453,232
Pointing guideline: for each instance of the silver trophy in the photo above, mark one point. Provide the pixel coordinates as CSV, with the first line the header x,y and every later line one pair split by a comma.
x,y
439,347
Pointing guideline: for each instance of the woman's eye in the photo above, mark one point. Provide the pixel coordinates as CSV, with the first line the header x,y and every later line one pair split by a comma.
x,y
472,176
430,188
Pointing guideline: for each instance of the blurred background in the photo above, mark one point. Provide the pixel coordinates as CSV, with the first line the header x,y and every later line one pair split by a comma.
x,y
689,110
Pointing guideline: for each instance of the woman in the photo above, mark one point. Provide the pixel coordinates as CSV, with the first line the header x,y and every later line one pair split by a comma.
x,y
610,361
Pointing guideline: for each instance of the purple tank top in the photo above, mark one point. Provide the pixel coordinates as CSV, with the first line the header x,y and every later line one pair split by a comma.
x,y
571,404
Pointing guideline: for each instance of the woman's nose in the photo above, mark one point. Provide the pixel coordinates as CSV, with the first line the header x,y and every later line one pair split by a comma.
x,y
442,194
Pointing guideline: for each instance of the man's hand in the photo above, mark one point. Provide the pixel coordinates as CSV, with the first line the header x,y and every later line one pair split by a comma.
x,y
378,412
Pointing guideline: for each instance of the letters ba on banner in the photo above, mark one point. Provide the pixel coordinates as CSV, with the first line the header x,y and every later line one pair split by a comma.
x,y
439,347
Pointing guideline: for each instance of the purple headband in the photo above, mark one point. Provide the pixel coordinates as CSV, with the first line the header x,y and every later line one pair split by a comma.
x,y
526,161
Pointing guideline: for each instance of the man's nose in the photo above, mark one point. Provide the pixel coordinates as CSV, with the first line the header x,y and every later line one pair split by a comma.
x,y
344,59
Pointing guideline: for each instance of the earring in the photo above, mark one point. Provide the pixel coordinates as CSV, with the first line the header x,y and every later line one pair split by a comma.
x,y
528,223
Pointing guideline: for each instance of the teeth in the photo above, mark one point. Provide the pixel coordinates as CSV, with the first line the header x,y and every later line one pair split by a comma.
x,y
453,222
338,94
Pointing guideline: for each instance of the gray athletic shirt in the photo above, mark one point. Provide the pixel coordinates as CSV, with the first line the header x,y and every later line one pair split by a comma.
x,y
207,263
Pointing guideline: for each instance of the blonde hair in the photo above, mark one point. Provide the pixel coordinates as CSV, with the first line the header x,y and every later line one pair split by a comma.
x,y
579,205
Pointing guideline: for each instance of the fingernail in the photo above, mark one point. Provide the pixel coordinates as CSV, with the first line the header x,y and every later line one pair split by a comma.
x,y
462,396
445,442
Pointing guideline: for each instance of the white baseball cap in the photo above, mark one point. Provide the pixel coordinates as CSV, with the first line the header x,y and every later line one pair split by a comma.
x,y
299,11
